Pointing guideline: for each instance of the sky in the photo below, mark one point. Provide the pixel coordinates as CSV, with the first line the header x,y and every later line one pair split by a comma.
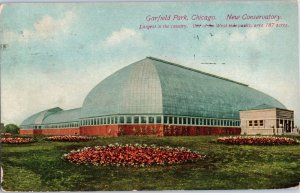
x,y
53,54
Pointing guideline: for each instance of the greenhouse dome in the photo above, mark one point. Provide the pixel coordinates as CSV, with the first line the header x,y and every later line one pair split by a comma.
x,y
154,86
157,97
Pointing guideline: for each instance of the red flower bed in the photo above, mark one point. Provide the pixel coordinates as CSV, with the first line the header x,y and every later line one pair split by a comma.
x,y
131,155
6,134
16,140
69,138
257,140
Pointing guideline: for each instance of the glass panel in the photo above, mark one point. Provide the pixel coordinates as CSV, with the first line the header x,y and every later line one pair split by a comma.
x,y
143,119
188,121
180,121
261,123
158,119
165,119
184,120
208,122
255,123
175,120
128,120
170,120
150,119
136,119
121,119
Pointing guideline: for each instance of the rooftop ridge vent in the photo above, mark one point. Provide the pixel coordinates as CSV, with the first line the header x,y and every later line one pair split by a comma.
x,y
212,75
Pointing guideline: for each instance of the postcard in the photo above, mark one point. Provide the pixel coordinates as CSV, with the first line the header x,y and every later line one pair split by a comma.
x,y
123,96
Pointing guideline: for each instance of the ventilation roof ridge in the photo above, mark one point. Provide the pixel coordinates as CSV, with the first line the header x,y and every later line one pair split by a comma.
x,y
192,69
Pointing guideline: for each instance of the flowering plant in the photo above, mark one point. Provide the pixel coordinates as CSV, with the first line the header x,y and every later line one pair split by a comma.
x,y
69,138
131,155
6,134
16,140
257,140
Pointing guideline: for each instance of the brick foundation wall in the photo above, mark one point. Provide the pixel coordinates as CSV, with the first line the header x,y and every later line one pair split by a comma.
x,y
136,130
51,131
177,130
26,131
60,131
100,130
140,130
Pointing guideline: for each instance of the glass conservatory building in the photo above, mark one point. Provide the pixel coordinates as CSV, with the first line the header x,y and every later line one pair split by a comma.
x,y
154,97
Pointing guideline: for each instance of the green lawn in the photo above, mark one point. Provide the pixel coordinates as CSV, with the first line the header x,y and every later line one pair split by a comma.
x,y
39,167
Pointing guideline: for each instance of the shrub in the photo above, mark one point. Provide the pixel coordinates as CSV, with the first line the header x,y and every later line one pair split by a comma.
x,y
12,128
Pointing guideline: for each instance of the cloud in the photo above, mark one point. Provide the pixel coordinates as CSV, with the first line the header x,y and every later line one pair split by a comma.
x,y
48,26
251,35
1,7
44,29
124,35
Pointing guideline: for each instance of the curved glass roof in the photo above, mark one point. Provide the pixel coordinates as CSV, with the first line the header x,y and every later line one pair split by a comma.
x,y
39,117
134,89
154,86
63,116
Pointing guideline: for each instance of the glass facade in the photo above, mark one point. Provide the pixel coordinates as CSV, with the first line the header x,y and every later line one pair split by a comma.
x,y
142,119
153,91
155,119
154,86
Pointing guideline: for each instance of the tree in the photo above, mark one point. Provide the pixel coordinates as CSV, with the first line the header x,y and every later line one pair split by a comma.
x,y
12,128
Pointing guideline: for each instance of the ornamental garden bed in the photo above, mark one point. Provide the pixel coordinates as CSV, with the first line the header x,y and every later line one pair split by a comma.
x,y
38,167
69,138
16,140
6,134
257,140
132,155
